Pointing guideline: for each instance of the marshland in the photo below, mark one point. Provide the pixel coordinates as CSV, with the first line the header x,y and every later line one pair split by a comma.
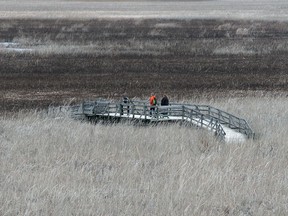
x,y
54,165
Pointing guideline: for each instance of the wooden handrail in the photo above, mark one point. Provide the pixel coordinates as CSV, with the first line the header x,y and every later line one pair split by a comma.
x,y
201,115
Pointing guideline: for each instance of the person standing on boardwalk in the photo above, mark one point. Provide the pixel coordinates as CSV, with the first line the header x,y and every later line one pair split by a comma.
x,y
124,104
153,103
165,102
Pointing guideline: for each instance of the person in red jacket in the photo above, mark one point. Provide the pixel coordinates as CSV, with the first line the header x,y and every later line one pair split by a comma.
x,y
153,103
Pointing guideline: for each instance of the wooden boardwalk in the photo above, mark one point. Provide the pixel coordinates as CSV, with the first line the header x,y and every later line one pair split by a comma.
x,y
202,116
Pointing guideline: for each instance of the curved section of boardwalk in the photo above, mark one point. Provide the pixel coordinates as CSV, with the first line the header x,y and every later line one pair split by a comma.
x,y
224,125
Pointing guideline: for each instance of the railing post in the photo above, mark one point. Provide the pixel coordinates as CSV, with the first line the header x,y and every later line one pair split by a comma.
x,y
133,107
202,117
157,113
121,109
183,107
82,105
145,112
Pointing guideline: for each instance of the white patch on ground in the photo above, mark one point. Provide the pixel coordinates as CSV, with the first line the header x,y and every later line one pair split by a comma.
x,y
8,44
233,49
13,47
18,50
233,136
167,25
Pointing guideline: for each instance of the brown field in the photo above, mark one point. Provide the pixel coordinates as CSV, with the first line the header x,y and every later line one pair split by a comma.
x,y
75,60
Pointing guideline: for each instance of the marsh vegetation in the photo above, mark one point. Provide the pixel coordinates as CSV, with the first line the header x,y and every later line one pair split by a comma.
x,y
53,165
58,166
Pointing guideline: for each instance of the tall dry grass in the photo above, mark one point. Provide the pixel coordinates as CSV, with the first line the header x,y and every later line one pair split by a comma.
x,y
58,166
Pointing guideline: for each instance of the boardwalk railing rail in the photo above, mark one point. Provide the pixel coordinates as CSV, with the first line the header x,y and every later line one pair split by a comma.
x,y
225,118
203,116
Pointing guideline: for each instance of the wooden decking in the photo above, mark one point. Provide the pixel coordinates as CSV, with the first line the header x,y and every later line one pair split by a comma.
x,y
202,116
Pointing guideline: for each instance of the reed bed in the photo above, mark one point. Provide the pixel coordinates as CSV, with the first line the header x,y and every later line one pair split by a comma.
x,y
59,166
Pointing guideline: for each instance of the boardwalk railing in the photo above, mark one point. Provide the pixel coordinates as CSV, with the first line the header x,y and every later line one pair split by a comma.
x,y
196,118
225,118
203,116
212,113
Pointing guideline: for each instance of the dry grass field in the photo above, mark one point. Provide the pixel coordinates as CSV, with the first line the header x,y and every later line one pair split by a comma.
x,y
65,53
58,166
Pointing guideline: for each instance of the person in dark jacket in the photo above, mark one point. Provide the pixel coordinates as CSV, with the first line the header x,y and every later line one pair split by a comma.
x,y
165,102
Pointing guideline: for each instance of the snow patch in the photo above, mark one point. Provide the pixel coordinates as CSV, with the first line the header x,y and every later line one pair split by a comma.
x,y
233,136
13,47
233,49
